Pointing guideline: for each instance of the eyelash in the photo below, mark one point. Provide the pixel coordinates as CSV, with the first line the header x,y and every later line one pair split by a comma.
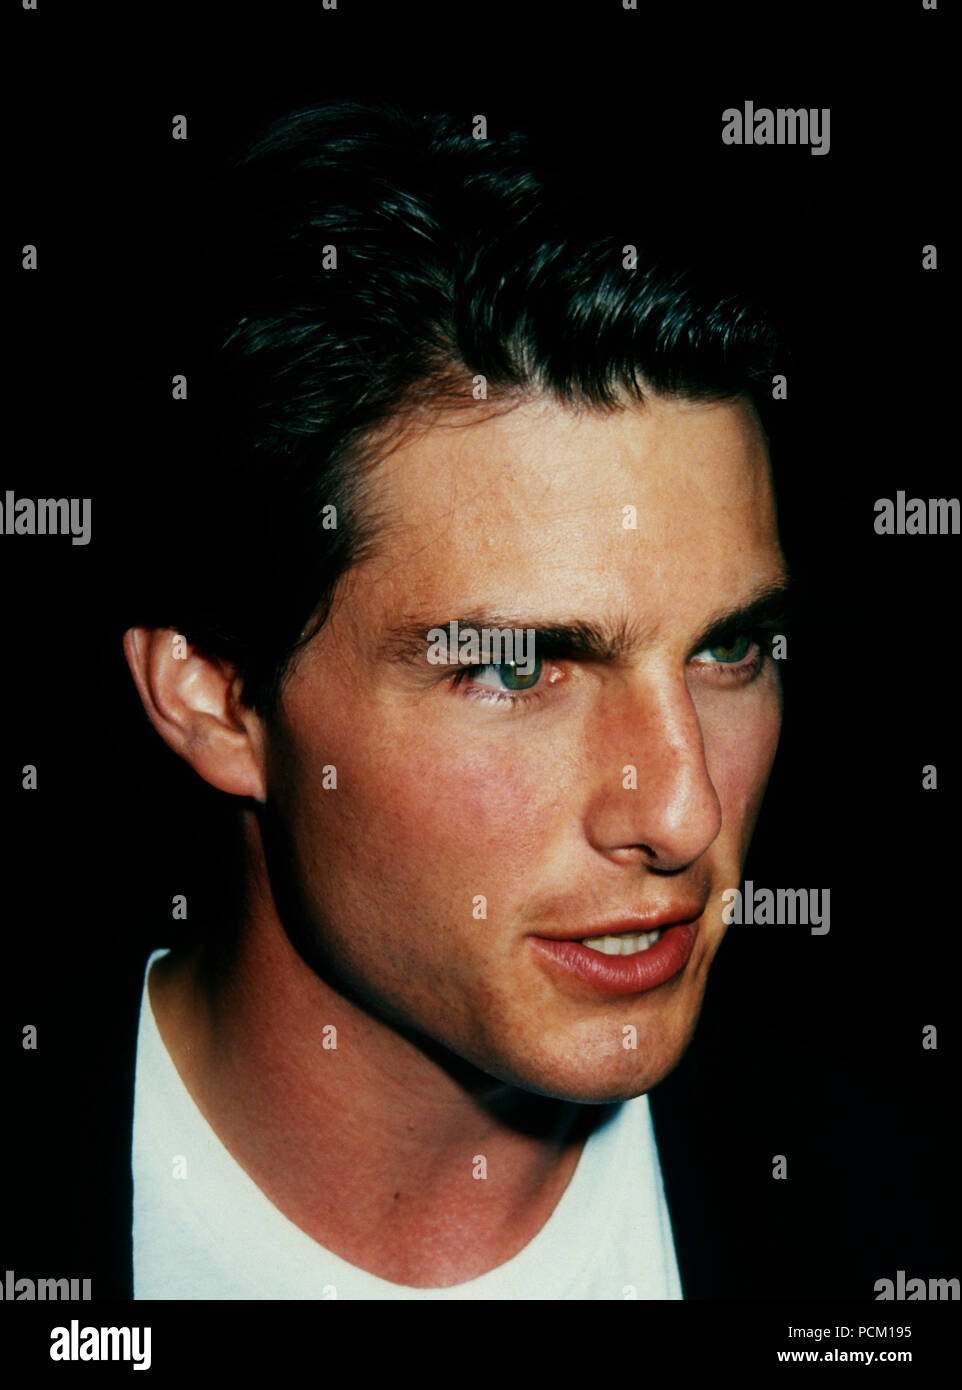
x,y
740,672
513,698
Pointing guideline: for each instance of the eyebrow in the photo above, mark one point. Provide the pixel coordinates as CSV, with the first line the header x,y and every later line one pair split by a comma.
x,y
764,609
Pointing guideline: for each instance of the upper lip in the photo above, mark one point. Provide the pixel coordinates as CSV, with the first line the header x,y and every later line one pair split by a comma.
x,y
643,922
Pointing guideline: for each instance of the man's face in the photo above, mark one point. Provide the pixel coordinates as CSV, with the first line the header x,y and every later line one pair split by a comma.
x,y
458,796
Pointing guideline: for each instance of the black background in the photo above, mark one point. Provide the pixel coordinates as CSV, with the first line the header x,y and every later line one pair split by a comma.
x,y
808,1046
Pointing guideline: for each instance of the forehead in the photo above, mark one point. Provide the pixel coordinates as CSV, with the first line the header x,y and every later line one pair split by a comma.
x,y
555,505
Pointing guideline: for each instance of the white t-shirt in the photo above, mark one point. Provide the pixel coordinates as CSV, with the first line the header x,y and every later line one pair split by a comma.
x,y
203,1229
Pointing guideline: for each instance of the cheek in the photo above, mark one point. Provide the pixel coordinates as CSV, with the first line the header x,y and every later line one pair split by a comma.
x,y
740,749
429,814
478,815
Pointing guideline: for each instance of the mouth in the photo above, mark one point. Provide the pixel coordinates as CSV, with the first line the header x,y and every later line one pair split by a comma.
x,y
626,944
622,958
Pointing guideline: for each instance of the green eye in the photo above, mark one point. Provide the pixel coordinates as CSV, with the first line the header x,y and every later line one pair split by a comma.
x,y
731,655
505,675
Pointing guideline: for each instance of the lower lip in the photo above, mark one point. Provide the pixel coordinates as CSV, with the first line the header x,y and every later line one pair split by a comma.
x,y
623,974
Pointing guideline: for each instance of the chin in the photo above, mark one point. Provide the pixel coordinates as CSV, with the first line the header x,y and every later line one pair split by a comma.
x,y
603,1081
603,1090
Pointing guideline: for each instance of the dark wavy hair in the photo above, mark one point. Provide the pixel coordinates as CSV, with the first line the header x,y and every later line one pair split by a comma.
x,y
376,262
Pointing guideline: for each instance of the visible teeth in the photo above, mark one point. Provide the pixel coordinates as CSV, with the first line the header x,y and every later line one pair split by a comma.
x,y
626,944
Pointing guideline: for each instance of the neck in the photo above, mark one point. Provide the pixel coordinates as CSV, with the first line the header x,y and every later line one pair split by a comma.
x,y
380,1144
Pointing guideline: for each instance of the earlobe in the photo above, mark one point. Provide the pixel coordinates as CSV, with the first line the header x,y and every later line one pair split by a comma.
x,y
192,700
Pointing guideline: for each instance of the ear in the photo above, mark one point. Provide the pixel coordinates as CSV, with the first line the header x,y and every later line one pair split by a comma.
x,y
193,701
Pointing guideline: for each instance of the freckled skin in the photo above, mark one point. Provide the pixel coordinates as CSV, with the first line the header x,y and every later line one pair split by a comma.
x,y
442,796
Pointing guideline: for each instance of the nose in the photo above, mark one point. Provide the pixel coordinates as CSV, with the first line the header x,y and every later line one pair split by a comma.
x,y
654,801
